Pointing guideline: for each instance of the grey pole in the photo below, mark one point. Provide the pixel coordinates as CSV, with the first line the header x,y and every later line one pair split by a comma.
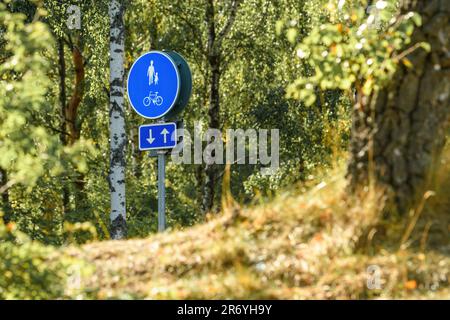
x,y
161,190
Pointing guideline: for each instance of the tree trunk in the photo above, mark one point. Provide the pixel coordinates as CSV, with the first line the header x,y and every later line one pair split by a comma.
x,y
5,197
117,121
70,122
62,102
73,126
214,122
214,53
399,134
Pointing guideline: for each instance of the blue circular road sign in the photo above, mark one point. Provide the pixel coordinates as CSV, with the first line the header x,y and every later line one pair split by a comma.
x,y
153,84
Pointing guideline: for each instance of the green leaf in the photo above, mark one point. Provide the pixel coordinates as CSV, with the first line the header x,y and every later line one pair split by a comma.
x,y
291,35
426,46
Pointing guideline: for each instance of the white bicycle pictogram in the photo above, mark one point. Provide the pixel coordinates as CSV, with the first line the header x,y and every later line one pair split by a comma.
x,y
153,98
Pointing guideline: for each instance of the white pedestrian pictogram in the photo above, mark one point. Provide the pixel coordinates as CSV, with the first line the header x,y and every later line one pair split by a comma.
x,y
151,73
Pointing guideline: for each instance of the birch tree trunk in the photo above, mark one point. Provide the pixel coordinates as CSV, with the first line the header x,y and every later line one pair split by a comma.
x,y
117,121
399,136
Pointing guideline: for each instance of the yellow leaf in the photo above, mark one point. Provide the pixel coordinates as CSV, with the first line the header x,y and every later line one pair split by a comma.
x,y
11,226
411,285
407,63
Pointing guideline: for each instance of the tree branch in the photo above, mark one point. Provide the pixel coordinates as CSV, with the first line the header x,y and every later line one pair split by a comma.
x,y
209,19
232,17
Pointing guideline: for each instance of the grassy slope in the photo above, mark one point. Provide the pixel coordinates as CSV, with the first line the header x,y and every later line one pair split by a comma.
x,y
295,247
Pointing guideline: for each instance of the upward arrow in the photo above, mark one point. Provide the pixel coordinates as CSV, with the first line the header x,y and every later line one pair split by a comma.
x,y
150,139
165,133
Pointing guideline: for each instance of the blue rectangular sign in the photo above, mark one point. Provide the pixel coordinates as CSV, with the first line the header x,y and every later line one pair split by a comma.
x,y
157,136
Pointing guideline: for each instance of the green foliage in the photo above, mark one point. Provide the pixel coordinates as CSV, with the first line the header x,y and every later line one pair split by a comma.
x,y
353,50
27,269
26,147
32,159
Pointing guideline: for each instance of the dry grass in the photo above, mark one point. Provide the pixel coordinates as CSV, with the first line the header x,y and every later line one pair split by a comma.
x,y
295,247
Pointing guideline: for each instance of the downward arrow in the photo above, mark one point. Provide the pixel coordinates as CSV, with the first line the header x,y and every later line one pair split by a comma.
x,y
165,133
150,139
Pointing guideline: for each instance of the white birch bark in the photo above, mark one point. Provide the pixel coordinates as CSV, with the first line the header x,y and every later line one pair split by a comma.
x,y
117,121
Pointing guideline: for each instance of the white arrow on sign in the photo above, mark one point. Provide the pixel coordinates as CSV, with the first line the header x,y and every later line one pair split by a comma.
x,y
165,133
150,139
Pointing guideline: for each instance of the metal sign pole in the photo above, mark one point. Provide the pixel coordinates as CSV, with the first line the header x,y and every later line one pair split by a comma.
x,y
161,190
